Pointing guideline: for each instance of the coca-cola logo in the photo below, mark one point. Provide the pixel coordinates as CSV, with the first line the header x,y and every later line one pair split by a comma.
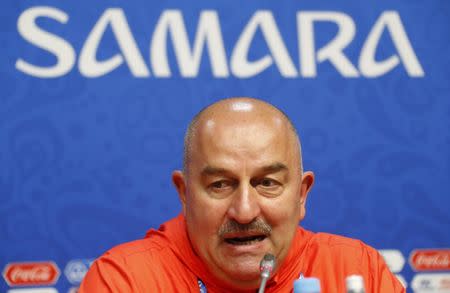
x,y
31,273
430,259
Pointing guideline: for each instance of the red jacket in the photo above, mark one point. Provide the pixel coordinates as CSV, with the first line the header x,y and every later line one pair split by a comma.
x,y
165,262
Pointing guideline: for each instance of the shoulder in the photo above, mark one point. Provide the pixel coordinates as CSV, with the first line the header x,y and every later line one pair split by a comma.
x,y
332,258
137,266
131,256
140,257
146,265
146,247
345,251
337,242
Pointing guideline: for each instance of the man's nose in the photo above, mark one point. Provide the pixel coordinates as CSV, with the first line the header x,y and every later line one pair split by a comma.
x,y
244,207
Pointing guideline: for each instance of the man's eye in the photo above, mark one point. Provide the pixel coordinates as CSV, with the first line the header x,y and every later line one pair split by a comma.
x,y
220,184
269,187
221,188
266,182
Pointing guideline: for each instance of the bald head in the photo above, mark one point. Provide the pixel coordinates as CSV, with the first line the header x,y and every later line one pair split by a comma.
x,y
233,112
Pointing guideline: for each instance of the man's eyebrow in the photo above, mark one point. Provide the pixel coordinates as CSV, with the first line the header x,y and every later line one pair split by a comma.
x,y
275,167
209,170
272,168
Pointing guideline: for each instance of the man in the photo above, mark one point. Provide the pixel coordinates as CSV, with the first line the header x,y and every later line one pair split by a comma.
x,y
243,193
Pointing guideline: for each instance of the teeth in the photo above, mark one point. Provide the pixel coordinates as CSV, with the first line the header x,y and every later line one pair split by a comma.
x,y
245,240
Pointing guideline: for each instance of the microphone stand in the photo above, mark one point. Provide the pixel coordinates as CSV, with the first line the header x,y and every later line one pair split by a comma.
x,y
262,287
266,266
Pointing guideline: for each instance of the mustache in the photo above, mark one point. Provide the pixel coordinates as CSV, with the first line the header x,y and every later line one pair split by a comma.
x,y
256,226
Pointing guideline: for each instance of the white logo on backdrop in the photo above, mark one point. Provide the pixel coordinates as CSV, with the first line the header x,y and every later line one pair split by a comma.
x,y
394,259
209,36
75,270
431,283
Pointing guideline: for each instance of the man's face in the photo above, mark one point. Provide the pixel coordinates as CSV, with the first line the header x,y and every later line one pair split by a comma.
x,y
243,195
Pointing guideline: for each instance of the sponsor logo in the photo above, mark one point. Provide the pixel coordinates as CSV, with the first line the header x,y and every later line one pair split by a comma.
x,y
226,60
431,283
430,259
31,273
394,259
33,290
76,270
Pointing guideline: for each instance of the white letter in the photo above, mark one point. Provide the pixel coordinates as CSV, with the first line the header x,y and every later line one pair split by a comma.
x,y
331,51
63,51
208,31
370,67
241,67
88,64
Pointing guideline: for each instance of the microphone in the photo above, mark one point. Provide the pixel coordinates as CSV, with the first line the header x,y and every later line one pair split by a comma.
x,y
266,267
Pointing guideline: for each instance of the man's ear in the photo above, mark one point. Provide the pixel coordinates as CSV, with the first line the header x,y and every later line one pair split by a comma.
x,y
306,185
180,185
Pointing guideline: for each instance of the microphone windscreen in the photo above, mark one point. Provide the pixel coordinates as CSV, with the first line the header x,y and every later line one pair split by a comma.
x,y
267,264
269,257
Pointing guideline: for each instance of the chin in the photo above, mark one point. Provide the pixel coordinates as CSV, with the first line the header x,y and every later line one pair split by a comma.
x,y
246,270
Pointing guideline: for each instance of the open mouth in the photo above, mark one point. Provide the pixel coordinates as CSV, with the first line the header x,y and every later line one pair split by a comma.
x,y
245,240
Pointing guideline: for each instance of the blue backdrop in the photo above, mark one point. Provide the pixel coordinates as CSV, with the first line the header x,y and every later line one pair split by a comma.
x,y
95,97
